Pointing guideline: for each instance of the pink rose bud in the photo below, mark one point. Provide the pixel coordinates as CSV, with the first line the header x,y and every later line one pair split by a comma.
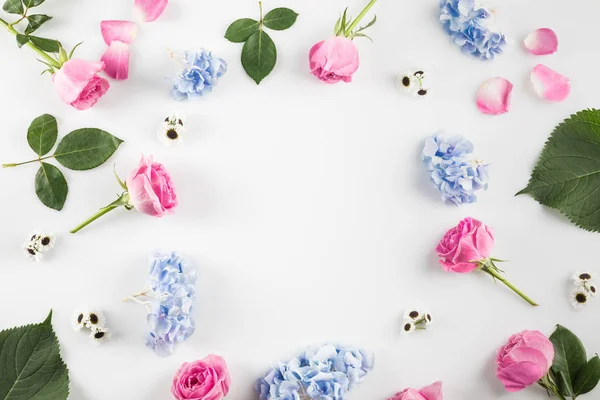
x,y
334,60
78,84
462,246
431,392
524,360
150,188
206,379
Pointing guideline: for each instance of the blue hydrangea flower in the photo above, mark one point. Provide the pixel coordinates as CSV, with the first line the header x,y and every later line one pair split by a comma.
x,y
200,74
452,169
327,372
172,283
471,28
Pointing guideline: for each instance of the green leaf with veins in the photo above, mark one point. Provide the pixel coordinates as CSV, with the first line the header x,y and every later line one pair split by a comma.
x,y
42,134
22,40
588,377
51,186
35,21
13,7
569,358
259,56
49,45
239,31
280,19
86,148
32,3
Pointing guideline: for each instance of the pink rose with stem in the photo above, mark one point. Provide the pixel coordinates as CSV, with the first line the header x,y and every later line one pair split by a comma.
x,y
336,59
431,392
467,247
148,189
206,379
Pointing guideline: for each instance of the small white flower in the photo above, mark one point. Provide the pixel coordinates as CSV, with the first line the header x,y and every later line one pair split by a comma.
x,y
579,298
95,319
413,82
80,318
32,252
580,276
412,314
171,131
45,241
428,319
100,335
591,288
408,327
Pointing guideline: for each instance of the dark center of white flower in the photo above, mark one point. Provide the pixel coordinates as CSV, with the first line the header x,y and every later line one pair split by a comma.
x,y
31,251
580,298
93,318
46,241
172,134
406,81
413,314
422,92
593,289
407,327
99,335
585,276
79,318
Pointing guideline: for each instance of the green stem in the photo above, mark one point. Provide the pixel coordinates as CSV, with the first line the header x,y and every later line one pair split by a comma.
x,y
492,270
360,16
261,13
123,200
41,52
25,162
547,383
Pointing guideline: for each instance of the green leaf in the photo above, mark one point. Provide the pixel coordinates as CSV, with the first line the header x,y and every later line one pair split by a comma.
x,y
344,23
13,7
51,187
32,3
21,40
564,386
567,174
569,356
42,134
588,377
31,365
86,148
280,19
370,24
35,21
49,45
259,56
240,30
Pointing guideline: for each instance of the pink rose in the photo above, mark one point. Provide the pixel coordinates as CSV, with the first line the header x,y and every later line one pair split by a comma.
x,y
206,379
462,246
431,392
150,188
78,84
524,360
334,60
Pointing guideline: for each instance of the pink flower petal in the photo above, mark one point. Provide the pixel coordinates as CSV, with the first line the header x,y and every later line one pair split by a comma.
x,y
493,96
123,31
150,10
541,42
549,84
116,60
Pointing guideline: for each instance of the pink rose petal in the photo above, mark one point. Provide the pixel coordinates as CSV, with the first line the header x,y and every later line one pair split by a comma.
x,y
541,42
123,31
493,96
549,84
116,60
150,10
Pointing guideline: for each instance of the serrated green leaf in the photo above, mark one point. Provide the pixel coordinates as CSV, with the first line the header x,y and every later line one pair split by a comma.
x,y
21,40
32,3
42,134
588,377
280,19
30,364
240,30
51,187
35,21
259,56
49,45
13,7
569,357
86,148
567,174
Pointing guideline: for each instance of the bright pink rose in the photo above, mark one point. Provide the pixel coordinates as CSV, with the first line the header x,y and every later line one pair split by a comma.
x,y
334,60
78,84
524,360
431,392
206,379
462,246
150,188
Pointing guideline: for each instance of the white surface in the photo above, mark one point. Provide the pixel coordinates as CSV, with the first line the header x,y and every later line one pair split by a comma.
x,y
304,207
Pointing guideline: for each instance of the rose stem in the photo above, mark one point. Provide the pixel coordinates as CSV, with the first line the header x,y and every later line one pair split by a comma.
x,y
495,274
360,16
42,53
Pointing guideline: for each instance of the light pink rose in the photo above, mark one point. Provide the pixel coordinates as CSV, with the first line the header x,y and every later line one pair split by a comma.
x,y
462,246
150,188
524,360
431,392
78,84
206,379
334,60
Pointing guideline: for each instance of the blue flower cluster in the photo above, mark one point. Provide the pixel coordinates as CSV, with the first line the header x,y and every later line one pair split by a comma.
x,y
471,27
452,169
327,372
201,73
172,282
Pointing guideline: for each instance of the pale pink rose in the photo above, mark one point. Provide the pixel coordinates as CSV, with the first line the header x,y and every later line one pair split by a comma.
x,y
524,360
150,188
431,392
206,379
334,60
465,244
78,84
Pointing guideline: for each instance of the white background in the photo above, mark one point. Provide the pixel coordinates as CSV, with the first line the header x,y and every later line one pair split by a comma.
x,y
304,206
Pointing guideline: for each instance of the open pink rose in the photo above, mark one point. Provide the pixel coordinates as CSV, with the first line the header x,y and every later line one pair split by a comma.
x,y
524,360
334,60
150,188
431,392
78,84
206,379
462,246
